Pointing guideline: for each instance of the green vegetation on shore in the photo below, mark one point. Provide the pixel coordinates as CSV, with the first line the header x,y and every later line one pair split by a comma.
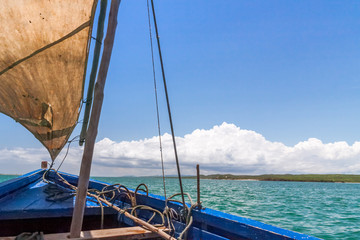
x,y
287,177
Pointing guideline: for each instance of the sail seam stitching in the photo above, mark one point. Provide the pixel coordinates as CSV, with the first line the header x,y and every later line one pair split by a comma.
x,y
78,29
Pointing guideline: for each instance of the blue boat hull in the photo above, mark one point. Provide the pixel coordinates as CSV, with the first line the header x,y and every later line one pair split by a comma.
x,y
25,205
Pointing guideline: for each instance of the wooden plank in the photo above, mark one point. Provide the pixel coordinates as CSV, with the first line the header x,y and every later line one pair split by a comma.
x,y
104,234
108,234
84,175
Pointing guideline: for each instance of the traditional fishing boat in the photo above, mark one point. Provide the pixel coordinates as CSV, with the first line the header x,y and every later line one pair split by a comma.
x,y
43,62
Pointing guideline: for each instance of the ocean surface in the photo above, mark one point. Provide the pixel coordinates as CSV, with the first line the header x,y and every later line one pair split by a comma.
x,y
325,210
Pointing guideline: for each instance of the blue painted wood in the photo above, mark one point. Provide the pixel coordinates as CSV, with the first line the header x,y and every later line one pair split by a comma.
x,y
194,233
12,185
197,233
245,227
29,201
227,224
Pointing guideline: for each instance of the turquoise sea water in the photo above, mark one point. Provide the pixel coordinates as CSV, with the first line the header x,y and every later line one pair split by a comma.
x,y
324,210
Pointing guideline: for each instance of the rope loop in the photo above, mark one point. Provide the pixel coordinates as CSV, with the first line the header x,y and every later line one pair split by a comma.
x,y
146,190
155,211
185,214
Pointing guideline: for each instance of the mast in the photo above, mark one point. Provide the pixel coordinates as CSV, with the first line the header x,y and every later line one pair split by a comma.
x,y
97,50
84,175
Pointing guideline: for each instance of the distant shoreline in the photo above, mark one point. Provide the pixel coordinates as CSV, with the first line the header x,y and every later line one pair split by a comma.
x,y
330,178
333,178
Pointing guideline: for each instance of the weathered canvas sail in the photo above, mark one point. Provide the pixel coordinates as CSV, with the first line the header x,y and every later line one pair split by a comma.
x,y
43,56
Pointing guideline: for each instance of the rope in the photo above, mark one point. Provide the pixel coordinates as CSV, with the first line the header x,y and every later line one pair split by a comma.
x,y
53,161
94,193
156,98
97,196
169,212
112,192
96,40
67,151
144,207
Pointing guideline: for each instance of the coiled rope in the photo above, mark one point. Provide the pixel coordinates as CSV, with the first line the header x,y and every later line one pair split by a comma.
x,y
110,193
169,213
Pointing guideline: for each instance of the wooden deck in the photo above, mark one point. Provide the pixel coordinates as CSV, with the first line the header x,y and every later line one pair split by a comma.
x,y
126,233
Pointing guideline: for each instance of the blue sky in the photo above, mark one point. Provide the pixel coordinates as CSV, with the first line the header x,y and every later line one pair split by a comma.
x,y
288,70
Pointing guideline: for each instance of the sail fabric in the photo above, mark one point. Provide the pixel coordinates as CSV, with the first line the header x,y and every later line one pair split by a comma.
x,y
43,57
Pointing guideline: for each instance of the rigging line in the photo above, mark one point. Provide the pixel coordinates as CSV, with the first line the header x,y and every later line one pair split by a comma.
x,y
156,98
168,105
96,40
67,151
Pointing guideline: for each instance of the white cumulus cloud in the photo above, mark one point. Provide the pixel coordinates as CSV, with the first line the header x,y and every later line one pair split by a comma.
x,y
223,149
